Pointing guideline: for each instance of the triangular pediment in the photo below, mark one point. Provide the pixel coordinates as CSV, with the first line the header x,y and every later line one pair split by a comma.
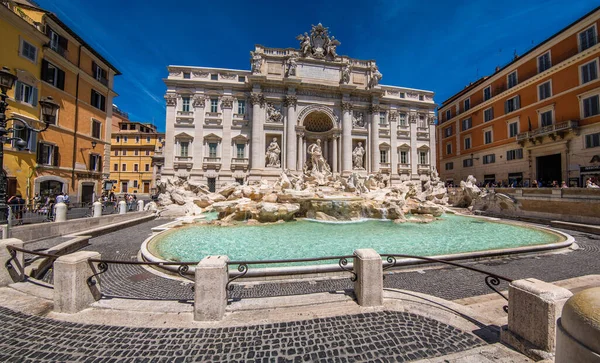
x,y
184,135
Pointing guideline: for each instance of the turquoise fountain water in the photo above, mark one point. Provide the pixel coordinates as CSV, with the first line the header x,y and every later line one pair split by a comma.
x,y
301,239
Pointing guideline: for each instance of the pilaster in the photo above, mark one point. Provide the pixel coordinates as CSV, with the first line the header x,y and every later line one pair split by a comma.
x,y
394,145
171,100
257,100
226,145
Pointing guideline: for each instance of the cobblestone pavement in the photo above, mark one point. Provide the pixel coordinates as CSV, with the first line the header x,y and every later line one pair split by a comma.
x,y
448,283
387,336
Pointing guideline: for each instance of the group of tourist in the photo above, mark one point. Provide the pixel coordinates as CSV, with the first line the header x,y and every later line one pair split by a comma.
x,y
110,199
589,183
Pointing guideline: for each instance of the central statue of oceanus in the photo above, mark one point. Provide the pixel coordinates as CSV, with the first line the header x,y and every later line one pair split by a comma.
x,y
318,164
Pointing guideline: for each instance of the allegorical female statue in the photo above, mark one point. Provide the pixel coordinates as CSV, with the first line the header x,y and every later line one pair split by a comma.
x,y
357,156
273,152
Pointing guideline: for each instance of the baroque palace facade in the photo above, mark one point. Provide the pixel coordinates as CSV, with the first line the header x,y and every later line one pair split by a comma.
x,y
537,118
226,125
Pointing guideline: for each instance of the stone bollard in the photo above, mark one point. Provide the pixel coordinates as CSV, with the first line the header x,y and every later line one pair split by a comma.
x,y
122,207
368,287
140,205
210,295
71,290
533,307
97,209
578,333
60,212
16,271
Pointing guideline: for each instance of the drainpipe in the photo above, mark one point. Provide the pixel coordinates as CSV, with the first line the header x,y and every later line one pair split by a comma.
x,y
76,122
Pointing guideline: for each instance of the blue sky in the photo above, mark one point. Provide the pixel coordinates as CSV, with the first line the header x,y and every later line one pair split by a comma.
x,y
434,45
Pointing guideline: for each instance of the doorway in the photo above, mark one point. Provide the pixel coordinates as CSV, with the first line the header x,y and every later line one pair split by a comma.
x,y
212,184
87,193
146,187
549,169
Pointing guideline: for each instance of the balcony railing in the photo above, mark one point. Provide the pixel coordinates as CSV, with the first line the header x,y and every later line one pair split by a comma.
x,y
185,114
211,160
563,126
102,80
384,166
243,161
59,49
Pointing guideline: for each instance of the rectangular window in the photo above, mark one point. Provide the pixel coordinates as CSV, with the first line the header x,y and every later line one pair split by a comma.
x,y
514,154
115,167
241,107
214,77
402,95
512,79
448,149
592,140
402,119
467,143
487,93
98,101
448,114
124,138
28,50
404,157
96,129
99,73
241,78
212,150
147,167
124,152
467,104
383,156
123,167
591,106
382,120
546,118
449,166
488,114
512,104
135,183
27,135
58,43
422,122
184,148
53,75
116,152
118,138
423,157
589,71
544,90
185,104
137,139
47,154
147,138
26,93
186,75
487,137
240,150
214,105
136,152
544,62
587,38
448,131
147,152
467,163
135,167
489,159
467,124
513,129
95,162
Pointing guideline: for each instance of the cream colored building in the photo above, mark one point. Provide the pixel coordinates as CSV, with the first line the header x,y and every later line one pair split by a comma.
x,y
221,122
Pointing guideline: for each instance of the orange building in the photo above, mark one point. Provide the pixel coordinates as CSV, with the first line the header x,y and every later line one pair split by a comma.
x,y
537,118
69,155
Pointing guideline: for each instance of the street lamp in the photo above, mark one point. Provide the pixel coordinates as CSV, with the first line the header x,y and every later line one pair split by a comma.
x,y
49,109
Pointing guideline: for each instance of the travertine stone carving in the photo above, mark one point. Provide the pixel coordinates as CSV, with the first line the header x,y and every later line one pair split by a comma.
x,y
358,157
273,154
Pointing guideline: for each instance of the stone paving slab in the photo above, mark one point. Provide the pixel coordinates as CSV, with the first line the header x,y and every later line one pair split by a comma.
x,y
389,336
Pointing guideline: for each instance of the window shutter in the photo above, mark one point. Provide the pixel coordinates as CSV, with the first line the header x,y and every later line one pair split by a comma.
x,y
94,68
44,70
99,166
56,157
91,165
492,113
63,42
39,153
61,79
32,142
18,91
517,102
93,98
34,97
103,103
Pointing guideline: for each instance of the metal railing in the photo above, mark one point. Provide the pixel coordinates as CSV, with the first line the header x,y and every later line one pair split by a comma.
x,y
12,250
546,130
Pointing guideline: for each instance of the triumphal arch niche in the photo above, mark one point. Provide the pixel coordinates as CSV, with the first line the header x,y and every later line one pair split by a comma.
x,y
252,125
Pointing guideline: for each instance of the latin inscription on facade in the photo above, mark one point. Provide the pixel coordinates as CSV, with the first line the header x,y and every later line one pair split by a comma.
x,y
319,72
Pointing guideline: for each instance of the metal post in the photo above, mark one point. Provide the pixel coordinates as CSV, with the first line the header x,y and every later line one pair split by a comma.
x,y
3,179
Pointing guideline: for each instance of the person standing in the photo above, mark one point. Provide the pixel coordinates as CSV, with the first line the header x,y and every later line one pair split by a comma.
x,y
60,198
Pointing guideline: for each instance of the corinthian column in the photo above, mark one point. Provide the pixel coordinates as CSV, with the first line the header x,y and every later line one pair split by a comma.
x,y
290,103
347,138
375,138
334,166
258,101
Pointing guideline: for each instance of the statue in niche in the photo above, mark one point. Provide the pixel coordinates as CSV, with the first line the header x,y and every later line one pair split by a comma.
x,y
305,46
357,120
375,76
273,114
357,157
346,74
291,66
256,62
319,164
273,153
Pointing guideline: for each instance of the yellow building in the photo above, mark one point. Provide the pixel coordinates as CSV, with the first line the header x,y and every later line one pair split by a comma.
x,y
135,146
52,60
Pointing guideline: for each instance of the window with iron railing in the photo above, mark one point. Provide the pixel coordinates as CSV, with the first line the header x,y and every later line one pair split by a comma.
x,y
546,118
